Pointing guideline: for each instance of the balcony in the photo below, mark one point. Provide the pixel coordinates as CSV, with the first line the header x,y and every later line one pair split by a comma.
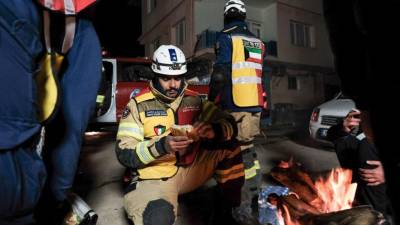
x,y
259,3
204,47
206,39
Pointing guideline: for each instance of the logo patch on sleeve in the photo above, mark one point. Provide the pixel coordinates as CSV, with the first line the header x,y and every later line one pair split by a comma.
x,y
159,129
151,113
126,112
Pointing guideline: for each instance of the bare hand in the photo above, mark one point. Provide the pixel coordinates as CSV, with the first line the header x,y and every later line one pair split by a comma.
x,y
351,121
178,144
374,176
204,130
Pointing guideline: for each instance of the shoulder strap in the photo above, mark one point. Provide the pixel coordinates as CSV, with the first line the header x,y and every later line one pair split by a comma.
x,y
229,30
70,26
144,95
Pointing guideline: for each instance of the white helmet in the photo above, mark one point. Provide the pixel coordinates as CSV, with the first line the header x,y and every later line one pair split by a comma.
x,y
169,60
234,6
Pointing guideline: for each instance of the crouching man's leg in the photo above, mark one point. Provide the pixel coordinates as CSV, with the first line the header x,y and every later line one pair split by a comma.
x,y
229,174
230,177
153,202
227,168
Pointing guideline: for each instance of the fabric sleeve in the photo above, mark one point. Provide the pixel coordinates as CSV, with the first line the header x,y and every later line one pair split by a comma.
x,y
223,52
132,149
223,123
346,146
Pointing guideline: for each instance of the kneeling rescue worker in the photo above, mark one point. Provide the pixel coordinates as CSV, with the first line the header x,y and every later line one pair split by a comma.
x,y
165,165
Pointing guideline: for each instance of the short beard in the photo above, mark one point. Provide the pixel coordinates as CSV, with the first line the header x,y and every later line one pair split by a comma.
x,y
176,92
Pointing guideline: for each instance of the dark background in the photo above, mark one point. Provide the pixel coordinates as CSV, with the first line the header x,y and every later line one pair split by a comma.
x,y
118,24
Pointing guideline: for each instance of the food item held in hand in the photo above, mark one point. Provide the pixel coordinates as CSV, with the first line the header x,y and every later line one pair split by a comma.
x,y
184,130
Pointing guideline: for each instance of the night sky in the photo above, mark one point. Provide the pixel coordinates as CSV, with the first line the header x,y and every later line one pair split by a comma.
x,y
118,24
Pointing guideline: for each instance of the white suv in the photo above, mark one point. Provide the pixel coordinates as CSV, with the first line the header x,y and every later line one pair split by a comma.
x,y
329,114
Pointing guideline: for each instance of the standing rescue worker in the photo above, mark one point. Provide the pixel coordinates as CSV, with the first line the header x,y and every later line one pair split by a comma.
x,y
79,83
164,165
23,26
236,85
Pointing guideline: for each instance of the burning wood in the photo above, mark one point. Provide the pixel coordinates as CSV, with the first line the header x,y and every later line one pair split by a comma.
x,y
299,207
297,180
326,201
362,215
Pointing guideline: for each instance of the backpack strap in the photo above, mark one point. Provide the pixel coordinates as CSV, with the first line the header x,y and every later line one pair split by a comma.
x,y
70,26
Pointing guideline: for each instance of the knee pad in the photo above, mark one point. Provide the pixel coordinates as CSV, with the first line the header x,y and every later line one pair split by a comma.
x,y
159,212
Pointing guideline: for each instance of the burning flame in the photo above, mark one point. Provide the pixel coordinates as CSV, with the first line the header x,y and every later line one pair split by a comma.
x,y
284,217
335,192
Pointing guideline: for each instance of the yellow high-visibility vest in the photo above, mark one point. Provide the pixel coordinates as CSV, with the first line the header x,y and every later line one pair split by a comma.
x,y
247,65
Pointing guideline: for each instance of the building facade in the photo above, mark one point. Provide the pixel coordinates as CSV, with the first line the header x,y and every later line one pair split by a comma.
x,y
299,65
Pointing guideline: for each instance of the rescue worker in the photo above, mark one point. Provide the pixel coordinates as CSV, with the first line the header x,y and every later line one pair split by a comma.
x,y
165,166
79,83
356,151
22,170
236,85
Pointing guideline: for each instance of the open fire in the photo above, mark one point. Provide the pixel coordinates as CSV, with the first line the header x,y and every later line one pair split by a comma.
x,y
310,199
336,191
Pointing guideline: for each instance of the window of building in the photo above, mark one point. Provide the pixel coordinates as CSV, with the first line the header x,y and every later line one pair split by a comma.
x,y
302,35
180,32
293,83
255,28
151,5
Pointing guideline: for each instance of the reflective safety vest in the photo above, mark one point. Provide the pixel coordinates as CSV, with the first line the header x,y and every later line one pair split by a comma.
x,y
157,120
247,65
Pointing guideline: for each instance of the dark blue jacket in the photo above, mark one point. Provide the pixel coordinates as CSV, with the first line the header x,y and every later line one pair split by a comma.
x,y
20,42
22,172
353,150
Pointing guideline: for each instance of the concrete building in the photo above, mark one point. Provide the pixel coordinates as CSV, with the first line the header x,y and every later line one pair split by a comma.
x,y
300,63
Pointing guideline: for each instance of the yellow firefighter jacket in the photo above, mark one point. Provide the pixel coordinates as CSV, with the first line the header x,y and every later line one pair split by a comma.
x,y
148,118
